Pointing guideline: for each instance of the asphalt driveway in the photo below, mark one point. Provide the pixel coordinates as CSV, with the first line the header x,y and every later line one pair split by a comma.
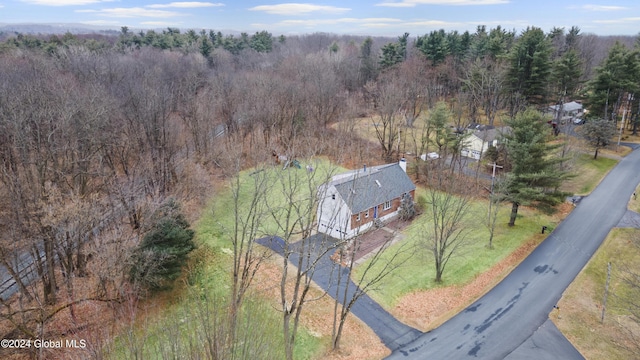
x,y
334,279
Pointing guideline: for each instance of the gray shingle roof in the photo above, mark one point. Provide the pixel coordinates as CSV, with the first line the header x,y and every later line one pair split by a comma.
x,y
366,189
490,134
568,107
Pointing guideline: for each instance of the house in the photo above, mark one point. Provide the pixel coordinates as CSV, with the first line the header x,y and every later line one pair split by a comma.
x,y
351,203
480,138
570,111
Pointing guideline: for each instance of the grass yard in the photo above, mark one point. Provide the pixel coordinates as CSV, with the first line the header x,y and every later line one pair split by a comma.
x,y
201,297
418,273
217,224
589,173
581,304
206,283
634,203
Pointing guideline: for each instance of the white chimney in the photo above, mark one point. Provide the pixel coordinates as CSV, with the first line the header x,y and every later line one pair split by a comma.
x,y
403,164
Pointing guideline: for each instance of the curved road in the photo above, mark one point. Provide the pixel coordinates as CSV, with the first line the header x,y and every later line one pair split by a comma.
x,y
511,321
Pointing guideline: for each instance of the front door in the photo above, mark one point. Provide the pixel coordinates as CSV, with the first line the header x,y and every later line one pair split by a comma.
x,y
375,212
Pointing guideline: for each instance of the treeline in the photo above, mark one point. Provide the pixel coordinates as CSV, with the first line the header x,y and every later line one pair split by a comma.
x,y
98,133
169,39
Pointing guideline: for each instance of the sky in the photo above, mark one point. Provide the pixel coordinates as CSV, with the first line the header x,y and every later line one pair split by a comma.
x,y
355,17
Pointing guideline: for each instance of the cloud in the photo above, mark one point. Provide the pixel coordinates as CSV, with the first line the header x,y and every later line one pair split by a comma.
x,y
101,22
298,9
384,23
159,23
63,2
412,3
317,22
602,8
400,4
185,4
132,13
433,23
618,21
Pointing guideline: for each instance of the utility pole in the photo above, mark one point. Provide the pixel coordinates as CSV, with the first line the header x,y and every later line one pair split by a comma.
x,y
493,174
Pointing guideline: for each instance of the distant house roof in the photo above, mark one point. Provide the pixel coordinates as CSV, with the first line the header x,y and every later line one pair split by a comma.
x,y
490,133
365,189
568,107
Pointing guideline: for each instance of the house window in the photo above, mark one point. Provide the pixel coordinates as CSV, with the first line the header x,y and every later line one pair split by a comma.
x,y
358,217
366,213
387,205
333,196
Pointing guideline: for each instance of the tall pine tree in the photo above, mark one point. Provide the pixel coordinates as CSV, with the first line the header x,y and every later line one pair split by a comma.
x,y
530,66
535,176
618,74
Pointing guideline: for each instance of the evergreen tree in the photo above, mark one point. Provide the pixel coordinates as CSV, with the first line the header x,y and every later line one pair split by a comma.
x,y
159,258
458,45
394,53
367,62
261,41
535,176
479,43
567,72
333,49
205,46
443,138
434,46
500,42
530,66
618,74
391,55
572,38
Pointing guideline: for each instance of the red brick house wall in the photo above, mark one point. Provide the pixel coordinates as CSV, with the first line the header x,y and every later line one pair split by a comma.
x,y
395,204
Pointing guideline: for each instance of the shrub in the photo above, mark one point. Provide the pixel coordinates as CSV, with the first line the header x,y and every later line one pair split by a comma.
x,y
407,209
159,258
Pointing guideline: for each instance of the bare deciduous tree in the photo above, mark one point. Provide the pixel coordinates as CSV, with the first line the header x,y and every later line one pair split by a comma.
x,y
389,100
380,263
295,219
448,210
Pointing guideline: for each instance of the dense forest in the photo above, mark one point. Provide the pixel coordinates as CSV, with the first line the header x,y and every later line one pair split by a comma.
x,y
99,134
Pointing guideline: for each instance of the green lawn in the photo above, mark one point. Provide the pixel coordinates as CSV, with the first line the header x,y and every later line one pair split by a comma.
x,y
581,303
619,250
217,223
589,173
418,273
202,300
634,203
208,282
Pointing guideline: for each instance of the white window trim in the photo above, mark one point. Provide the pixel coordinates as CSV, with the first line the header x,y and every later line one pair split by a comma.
x,y
366,214
358,217
387,205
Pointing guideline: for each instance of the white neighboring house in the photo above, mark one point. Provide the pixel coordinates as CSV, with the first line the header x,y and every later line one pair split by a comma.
x,y
351,203
481,138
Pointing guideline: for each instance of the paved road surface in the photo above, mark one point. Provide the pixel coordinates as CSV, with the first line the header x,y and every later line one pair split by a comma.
x,y
333,279
511,321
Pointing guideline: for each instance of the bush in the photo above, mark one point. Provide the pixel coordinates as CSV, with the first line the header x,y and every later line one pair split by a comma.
x,y
421,204
159,258
407,209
